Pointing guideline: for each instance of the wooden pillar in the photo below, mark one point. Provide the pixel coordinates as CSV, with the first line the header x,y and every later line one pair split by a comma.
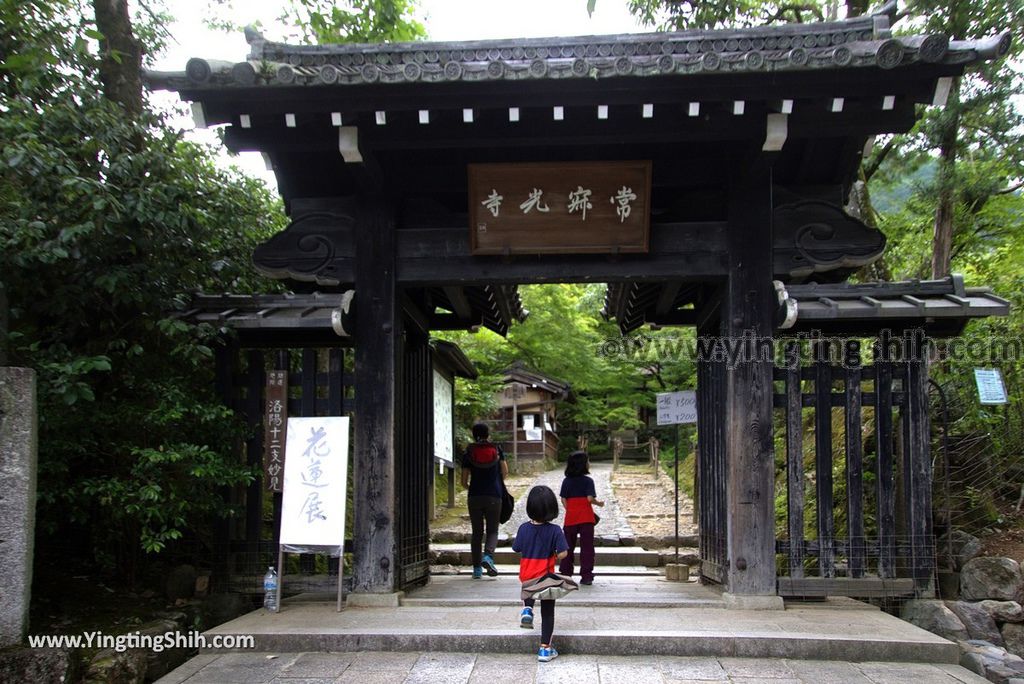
x,y
747,313
918,471
377,338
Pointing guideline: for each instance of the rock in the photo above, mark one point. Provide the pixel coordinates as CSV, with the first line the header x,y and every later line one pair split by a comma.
x,y
977,620
219,608
949,584
963,546
933,615
1003,611
1013,637
689,559
990,661
111,667
56,665
181,582
973,662
991,578
160,662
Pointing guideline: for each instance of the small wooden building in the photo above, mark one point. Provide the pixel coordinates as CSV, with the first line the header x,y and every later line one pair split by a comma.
x,y
529,400
701,174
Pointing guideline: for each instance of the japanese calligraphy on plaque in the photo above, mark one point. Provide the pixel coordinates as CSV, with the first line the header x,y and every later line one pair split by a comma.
x,y
559,208
275,422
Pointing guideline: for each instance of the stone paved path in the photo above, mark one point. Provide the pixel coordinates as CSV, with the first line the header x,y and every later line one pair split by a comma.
x,y
369,667
613,525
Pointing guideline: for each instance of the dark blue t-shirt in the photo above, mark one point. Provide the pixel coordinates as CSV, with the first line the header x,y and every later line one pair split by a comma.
x,y
538,546
484,481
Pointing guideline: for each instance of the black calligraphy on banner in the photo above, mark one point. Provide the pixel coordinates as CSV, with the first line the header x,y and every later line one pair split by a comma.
x,y
275,429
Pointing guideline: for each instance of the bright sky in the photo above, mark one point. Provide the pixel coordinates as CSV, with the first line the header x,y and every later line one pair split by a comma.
x,y
445,20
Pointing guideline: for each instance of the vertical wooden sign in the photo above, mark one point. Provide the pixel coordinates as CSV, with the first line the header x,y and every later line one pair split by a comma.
x,y
275,425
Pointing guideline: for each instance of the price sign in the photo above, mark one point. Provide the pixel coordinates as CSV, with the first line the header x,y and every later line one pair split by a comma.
x,y
677,407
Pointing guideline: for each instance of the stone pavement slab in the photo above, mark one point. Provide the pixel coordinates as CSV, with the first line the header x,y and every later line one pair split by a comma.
x,y
520,668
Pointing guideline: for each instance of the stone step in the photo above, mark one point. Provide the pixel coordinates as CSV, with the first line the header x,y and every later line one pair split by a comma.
x,y
462,537
509,569
459,554
861,635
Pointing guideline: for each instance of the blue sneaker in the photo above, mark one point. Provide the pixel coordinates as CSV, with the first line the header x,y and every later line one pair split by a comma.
x,y
526,618
546,655
478,572
489,565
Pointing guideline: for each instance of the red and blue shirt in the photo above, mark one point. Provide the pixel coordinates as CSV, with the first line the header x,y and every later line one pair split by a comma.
x,y
576,492
539,546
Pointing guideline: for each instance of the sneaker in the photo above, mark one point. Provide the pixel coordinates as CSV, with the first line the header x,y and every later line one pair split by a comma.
x,y
526,618
586,583
546,655
478,572
489,566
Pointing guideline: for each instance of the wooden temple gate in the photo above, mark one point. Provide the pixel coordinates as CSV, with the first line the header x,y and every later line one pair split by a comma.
x,y
742,146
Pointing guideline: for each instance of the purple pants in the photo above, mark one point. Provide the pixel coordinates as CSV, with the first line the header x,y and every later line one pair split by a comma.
x,y
585,532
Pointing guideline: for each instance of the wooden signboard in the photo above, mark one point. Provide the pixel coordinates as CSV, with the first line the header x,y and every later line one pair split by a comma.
x,y
275,427
560,208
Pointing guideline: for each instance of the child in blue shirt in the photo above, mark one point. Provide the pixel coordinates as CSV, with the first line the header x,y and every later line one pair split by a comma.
x,y
541,545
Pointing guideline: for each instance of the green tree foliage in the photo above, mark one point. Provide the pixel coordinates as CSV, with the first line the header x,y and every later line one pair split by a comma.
x,y
329,22
107,222
566,338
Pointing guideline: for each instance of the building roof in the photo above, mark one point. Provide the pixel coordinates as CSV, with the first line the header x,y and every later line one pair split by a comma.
x,y
865,41
327,318
940,307
519,372
453,358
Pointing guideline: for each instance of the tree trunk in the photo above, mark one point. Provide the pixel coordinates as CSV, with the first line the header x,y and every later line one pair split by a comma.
x,y
856,8
3,324
859,205
120,55
945,209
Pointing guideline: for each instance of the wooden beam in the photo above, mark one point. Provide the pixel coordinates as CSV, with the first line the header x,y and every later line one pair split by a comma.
x,y
454,322
668,297
748,308
457,298
683,317
377,376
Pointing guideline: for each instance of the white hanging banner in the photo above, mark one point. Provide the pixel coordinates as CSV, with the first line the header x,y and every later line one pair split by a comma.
x,y
677,407
315,479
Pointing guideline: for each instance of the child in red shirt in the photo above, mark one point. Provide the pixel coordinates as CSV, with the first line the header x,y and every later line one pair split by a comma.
x,y
579,497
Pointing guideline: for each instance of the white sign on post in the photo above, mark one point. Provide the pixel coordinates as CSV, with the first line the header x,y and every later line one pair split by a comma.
x,y
990,386
444,425
677,407
315,479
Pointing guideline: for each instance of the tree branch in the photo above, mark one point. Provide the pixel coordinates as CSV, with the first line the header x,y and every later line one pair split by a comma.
x,y
1013,188
871,166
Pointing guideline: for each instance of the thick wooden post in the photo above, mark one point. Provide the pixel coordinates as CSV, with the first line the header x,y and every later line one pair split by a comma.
x,y
378,329
748,312
919,470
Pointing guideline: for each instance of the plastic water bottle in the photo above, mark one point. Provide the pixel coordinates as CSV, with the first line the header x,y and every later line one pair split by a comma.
x,y
270,590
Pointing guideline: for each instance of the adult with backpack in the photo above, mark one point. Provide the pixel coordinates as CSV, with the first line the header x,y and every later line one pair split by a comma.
x,y
483,472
